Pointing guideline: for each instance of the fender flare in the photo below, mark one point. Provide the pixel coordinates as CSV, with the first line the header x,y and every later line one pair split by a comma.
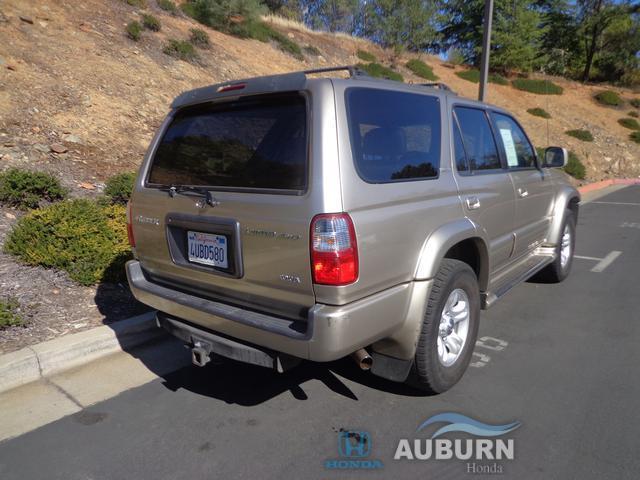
x,y
566,194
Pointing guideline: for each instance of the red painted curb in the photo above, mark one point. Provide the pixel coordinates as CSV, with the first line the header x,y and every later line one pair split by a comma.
x,y
607,183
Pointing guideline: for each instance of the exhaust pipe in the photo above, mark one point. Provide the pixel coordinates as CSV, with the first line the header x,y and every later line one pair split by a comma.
x,y
362,359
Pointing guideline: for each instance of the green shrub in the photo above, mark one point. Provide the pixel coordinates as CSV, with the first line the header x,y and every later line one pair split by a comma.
x,y
189,9
311,51
539,112
284,43
575,167
633,114
9,316
634,137
609,98
380,71
150,22
474,76
366,56
584,135
224,14
134,30
168,6
25,189
630,123
541,87
119,187
421,69
180,49
635,102
137,3
199,38
86,239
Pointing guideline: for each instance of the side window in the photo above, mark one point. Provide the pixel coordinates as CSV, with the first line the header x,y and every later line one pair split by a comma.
x,y
517,149
395,136
458,148
479,144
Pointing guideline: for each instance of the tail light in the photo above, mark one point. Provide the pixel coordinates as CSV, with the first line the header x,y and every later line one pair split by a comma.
x,y
334,253
132,240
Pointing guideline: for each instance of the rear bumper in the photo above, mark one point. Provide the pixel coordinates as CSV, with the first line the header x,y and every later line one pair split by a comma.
x,y
331,332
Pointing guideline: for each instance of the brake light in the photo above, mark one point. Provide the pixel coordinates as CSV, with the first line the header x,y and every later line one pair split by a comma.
x,y
230,87
132,240
334,252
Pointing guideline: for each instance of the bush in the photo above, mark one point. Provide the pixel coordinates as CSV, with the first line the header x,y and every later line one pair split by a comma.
x,y
633,114
119,187
311,51
150,22
224,14
380,71
9,316
421,69
474,76
284,43
366,56
575,167
584,135
635,102
634,137
180,49
541,87
609,98
134,30
86,239
539,112
168,6
25,189
630,123
137,3
199,38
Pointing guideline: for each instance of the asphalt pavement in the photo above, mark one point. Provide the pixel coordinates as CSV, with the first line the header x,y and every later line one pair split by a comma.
x,y
563,360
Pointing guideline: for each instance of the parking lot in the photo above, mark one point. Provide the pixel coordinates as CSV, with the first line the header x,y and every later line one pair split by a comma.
x,y
561,359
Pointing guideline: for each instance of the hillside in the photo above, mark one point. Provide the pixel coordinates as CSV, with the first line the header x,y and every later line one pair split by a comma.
x,y
69,75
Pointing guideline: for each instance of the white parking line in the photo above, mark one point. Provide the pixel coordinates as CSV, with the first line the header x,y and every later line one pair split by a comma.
x,y
618,203
587,258
606,261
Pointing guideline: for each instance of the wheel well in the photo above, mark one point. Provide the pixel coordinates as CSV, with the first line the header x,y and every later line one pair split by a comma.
x,y
574,206
473,252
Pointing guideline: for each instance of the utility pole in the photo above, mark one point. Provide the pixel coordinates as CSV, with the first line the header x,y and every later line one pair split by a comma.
x,y
486,46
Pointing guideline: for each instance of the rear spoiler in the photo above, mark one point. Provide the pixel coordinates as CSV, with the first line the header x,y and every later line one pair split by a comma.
x,y
286,82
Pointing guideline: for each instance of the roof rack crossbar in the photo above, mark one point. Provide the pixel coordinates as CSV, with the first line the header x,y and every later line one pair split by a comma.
x,y
353,70
439,85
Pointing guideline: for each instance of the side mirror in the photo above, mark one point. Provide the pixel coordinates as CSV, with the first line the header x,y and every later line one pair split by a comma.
x,y
555,157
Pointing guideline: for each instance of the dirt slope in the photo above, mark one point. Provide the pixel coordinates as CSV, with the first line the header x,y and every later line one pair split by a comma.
x,y
69,74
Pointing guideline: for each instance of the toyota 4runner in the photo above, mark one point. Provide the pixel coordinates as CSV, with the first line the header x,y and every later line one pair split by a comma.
x,y
289,217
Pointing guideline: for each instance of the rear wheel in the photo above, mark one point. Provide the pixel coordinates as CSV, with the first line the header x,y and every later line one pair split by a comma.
x,y
449,328
560,268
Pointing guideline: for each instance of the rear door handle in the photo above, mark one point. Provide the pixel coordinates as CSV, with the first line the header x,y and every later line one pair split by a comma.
x,y
523,192
473,203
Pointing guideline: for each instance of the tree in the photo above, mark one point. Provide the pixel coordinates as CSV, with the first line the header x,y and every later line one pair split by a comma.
x,y
333,15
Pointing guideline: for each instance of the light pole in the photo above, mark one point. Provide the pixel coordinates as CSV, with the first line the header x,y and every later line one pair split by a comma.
x,y
486,44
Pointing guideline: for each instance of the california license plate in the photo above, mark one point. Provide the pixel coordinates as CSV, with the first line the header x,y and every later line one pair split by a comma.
x,y
208,249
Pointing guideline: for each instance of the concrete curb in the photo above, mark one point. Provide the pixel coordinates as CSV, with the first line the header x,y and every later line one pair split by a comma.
x,y
592,187
69,351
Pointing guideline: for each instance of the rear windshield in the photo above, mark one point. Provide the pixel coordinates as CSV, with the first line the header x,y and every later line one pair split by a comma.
x,y
258,143
395,136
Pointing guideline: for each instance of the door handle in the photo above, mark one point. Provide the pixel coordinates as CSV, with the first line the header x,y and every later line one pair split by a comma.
x,y
473,203
523,192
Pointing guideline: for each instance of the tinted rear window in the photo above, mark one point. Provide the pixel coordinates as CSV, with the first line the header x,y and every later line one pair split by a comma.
x,y
394,135
259,143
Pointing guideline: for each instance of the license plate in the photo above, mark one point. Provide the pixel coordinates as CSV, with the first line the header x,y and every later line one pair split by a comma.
x,y
207,249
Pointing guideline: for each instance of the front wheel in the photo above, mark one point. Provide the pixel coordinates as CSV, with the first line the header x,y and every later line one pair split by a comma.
x,y
449,328
560,268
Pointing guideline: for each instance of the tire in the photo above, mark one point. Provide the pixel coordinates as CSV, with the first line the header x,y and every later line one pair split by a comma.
x,y
431,372
557,271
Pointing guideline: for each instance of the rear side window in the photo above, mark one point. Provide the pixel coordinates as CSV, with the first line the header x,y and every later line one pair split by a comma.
x,y
517,149
257,143
395,136
479,145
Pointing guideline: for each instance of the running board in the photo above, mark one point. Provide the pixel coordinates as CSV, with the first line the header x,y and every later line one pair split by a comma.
x,y
488,299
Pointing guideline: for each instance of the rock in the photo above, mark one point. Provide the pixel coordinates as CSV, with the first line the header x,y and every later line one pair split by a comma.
x,y
291,35
58,148
28,20
43,24
3,18
87,186
41,148
10,216
72,139
11,67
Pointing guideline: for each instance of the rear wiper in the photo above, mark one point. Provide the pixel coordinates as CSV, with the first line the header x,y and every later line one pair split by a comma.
x,y
175,189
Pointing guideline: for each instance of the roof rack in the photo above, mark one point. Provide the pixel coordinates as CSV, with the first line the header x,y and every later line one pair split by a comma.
x,y
438,85
352,69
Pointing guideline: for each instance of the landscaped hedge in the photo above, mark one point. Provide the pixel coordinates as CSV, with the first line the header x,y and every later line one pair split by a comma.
x,y
609,98
474,76
380,71
25,189
539,112
85,238
540,87
421,69
584,135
